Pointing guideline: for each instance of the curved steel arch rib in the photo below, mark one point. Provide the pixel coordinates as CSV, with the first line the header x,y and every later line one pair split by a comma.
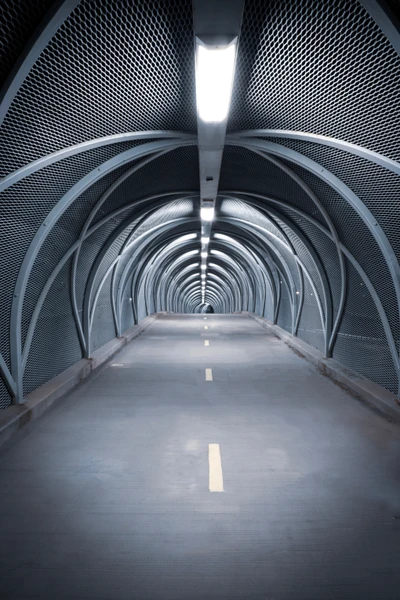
x,y
89,306
253,242
42,233
344,191
41,37
323,140
268,235
74,247
327,299
367,282
108,140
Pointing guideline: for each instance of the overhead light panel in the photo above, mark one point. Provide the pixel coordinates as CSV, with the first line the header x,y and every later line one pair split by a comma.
x,y
204,255
207,213
205,240
215,67
203,267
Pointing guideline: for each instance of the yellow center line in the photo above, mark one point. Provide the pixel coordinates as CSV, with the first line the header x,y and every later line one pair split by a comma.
x,y
209,375
206,343
215,480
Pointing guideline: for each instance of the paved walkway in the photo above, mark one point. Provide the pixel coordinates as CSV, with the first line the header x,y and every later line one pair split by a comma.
x,y
107,496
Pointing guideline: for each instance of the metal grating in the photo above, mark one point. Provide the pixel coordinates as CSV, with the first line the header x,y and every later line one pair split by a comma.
x,y
370,182
174,171
126,311
361,344
354,234
284,319
307,260
55,345
103,329
245,171
325,249
18,21
98,56
310,326
320,67
269,309
5,398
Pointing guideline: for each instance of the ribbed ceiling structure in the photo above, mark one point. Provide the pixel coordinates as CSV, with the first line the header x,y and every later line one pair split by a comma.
x,y
100,195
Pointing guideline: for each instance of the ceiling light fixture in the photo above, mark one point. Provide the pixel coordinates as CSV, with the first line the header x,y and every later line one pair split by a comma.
x,y
215,67
207,213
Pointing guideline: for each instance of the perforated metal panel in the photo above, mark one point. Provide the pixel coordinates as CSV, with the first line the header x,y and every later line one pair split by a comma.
x,y
310,326
284,319
320,67
18,20
361,343
98,55
354,234
55,345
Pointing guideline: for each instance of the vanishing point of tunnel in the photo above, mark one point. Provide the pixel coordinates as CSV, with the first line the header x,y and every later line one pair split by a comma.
x,y
199,300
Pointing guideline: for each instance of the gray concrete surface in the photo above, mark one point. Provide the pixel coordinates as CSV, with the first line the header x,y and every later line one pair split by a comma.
x,y
106,496
364,388
15,417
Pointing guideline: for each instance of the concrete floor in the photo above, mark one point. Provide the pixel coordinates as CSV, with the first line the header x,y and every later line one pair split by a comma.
x,y
106,496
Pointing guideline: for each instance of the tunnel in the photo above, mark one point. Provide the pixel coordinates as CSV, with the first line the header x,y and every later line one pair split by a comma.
x,y
200,299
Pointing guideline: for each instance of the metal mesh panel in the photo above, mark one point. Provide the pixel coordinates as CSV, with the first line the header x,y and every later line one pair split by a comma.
x,y
174,171
269,307
23,207
92,246
55,344
326,251
109,257
126,311
113,67
103,328
310,327
245,171
284,319
239,209
173,210
5,398
354,234
57,180
321,67
307,260
18,19
361,343
236,208
370,182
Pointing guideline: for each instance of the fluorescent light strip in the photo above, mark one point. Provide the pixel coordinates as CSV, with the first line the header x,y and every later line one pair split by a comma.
x,y
207,213
215,66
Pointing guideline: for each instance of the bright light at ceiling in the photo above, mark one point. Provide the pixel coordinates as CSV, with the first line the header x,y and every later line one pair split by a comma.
x,y
203,267
205,240
207,213
215,67
204,255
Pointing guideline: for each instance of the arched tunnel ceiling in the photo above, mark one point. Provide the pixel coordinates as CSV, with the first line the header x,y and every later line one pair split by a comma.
x,y
100,189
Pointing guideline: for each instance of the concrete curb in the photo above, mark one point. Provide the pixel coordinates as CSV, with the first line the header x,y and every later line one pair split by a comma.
x,y
14,417
372,393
